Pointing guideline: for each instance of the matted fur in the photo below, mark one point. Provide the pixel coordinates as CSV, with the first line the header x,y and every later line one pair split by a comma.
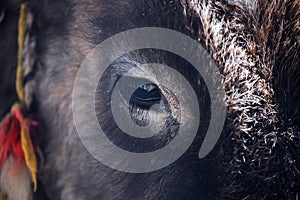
x,y
252,45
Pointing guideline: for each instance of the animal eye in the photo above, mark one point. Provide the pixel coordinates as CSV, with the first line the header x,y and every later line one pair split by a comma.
x,y
146,96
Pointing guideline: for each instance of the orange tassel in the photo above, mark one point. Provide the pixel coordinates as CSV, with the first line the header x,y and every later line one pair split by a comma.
x,y
18,138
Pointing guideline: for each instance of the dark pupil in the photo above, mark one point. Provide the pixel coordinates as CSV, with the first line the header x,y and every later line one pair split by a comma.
x,y
146,96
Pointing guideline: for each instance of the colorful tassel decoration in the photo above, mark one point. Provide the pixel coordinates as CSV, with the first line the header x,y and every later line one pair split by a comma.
x,y
16,133
19,142
18,137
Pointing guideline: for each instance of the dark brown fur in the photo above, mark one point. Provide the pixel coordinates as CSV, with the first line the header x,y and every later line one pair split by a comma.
x,y
259,156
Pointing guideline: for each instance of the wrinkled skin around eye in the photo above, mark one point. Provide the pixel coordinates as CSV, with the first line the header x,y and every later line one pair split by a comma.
x,y
71,172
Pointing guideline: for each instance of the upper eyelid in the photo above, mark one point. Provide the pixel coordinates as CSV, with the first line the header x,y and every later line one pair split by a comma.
x,y
121,68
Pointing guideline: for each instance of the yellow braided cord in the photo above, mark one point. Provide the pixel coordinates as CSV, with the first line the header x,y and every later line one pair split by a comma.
x,y
26,143
29,154
21,36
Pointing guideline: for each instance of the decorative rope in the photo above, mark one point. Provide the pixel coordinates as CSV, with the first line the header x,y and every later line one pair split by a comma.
x,y
21,36
27,146
18,138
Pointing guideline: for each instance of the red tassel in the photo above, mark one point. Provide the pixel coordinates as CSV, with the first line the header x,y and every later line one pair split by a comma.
x,y
18,138
10,140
